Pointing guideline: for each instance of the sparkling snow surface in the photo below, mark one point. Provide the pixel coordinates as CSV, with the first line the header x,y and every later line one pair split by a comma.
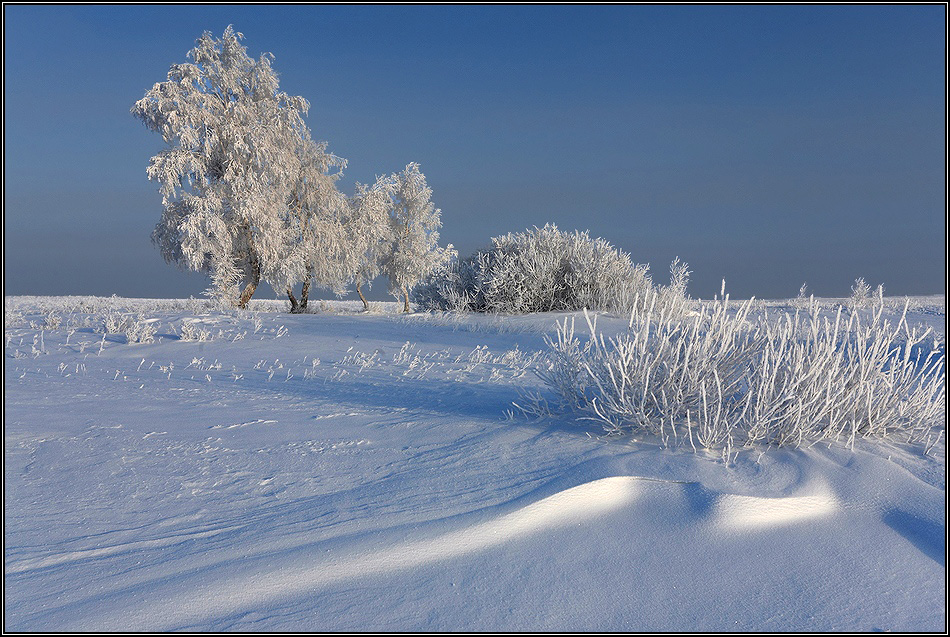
x,y
346,471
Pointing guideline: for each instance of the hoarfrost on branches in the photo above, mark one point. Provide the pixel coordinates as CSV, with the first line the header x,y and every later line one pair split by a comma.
x,y
414,222
368,229
237,151
319,251
546,269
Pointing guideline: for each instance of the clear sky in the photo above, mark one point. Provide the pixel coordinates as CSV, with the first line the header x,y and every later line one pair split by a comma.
x,y
770,145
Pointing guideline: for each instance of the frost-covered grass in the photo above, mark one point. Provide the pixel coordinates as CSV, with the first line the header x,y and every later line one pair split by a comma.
x,y
100,325
722,379
351,471
16,307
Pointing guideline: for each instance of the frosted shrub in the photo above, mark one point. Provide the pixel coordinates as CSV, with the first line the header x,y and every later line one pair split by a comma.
x,y
720,380
803,300
114,323
53,320
672,300
860,294
141,331
194,332
12,318
543,270
197,306
455,287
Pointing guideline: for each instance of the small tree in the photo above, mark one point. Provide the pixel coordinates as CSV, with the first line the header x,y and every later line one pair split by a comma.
x,y
368,228
234,156
316,213
414,221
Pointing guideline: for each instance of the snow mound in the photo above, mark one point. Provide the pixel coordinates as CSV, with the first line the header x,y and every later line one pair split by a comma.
x,y
750,512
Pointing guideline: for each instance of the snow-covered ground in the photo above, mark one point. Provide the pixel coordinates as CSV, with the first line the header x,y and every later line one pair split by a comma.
x,y
261,471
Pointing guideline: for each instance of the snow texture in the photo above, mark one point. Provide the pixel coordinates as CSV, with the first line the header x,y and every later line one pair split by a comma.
x,y
349,471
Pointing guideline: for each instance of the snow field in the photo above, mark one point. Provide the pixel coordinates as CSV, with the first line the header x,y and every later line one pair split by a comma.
x,y
341,471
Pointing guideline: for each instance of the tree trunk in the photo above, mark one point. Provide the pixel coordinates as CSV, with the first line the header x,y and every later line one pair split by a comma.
x,y
294,306
255,277
301,307
362,298
305,291
251,285
406,307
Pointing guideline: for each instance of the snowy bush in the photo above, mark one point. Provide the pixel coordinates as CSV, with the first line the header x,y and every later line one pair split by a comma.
x,y
12,317
136,329
141,330
671,300
545,269
803,300
191,331
861,294
722,380
53,320
114,323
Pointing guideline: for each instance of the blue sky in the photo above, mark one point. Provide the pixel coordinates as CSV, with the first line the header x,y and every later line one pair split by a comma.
x,y
769,145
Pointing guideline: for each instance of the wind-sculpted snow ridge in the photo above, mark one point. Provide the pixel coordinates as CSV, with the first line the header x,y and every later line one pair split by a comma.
x,y
351,472
184,605
21,566
191,602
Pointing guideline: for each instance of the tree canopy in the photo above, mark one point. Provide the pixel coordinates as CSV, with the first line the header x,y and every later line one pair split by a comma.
x,y
249,196
238,149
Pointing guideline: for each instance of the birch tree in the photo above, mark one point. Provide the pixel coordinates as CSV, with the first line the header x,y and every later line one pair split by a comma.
x,y
236,149
414,222
368,229
319,249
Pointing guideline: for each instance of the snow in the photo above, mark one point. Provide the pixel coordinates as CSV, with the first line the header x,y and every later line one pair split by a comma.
x,y
347,471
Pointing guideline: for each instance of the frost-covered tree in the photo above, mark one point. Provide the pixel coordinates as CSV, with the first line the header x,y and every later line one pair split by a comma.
x,y
414,221
368,229
236,149
319,248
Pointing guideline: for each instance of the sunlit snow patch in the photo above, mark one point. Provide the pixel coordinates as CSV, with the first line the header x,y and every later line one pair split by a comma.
x,y
749,512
